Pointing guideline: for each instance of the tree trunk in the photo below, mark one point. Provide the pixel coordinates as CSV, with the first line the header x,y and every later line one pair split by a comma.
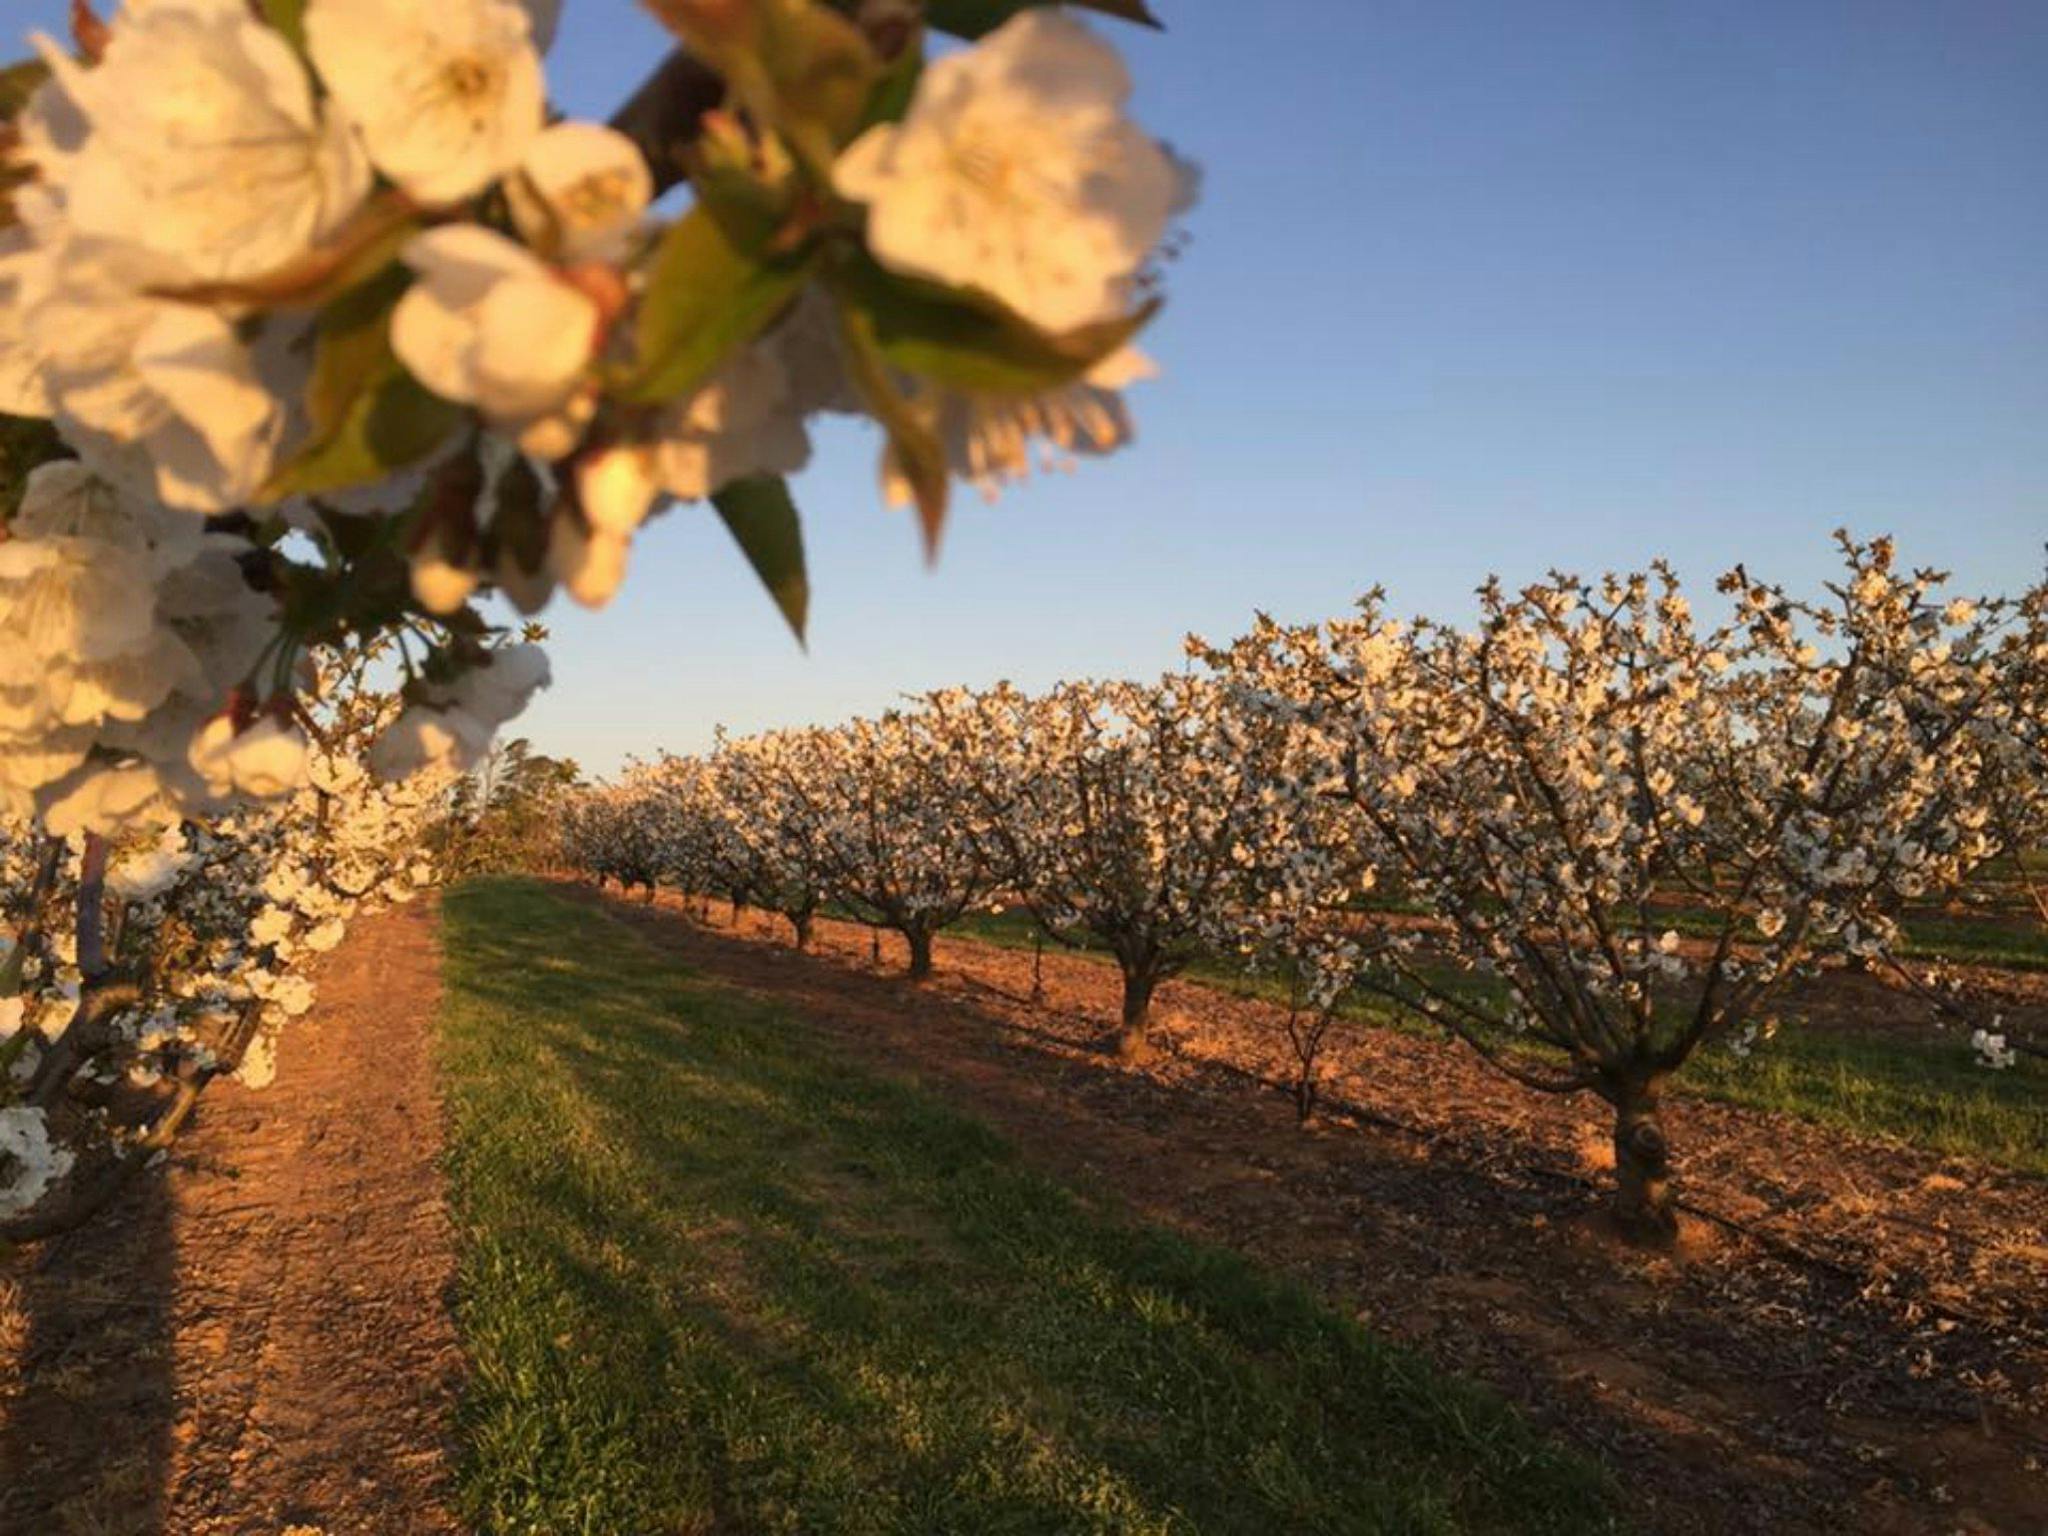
x,y
1133,1039
920,941
1645,1209
801,922
1305,1095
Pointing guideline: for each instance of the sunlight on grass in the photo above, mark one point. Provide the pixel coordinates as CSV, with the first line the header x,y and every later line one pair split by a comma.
x,y
715,1276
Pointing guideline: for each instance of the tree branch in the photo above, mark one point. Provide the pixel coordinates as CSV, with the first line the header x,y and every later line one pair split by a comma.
x,y
665,116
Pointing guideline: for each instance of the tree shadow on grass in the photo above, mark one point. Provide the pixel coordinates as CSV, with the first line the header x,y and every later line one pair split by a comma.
x,y
751,1283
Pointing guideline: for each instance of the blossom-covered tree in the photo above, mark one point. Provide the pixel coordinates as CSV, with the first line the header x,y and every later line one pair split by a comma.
x,y
2003,701
891,833
1557,785
1116,813
625,831
757,815
1586,835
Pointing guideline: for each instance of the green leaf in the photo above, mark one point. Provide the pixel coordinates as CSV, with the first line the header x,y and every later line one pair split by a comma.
x,y
393,423
289,18
890,99
352,346
968,342
26,444
762,518
913,442
977,18
18,82
820,66
705,299
369,415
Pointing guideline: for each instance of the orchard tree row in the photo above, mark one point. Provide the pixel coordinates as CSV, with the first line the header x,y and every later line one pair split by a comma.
x,y
1586,834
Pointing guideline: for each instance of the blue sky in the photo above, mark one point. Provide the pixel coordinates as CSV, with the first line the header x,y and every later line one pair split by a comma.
x,y
1474,287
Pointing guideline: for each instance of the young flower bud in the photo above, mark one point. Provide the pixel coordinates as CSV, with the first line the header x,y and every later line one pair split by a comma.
x,y
616,487
590,565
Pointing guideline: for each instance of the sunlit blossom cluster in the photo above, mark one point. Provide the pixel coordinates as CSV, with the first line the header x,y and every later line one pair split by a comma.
x,y
335,267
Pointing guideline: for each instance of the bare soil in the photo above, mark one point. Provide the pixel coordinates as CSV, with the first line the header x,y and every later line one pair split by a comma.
x,y
256,1340
1852,1337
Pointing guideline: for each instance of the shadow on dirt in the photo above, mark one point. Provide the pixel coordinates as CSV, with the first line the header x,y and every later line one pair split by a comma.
x,y
88,1391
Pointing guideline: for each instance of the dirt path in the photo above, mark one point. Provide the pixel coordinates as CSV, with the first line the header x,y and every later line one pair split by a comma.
x,y
1869,1355
257,1339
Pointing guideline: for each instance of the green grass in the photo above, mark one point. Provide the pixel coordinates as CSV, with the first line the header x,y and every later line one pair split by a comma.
x,y
1977,941
715,1276
1927,1092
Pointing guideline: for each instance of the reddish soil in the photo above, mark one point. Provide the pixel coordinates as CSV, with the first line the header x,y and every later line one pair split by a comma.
x,y
1853,1336
256,1339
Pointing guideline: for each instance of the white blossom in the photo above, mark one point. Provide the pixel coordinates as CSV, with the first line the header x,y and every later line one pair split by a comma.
x,y
741,422
581,194
446,96
263,760
197,139
1017,173
122,624
29,1163
488,324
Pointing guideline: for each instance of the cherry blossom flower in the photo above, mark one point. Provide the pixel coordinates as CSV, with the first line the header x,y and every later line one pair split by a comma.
x,y
450,726
741,422
581,194
491,325
1017,173
264,760
167,399
447,96
120,622
195,138
589,562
